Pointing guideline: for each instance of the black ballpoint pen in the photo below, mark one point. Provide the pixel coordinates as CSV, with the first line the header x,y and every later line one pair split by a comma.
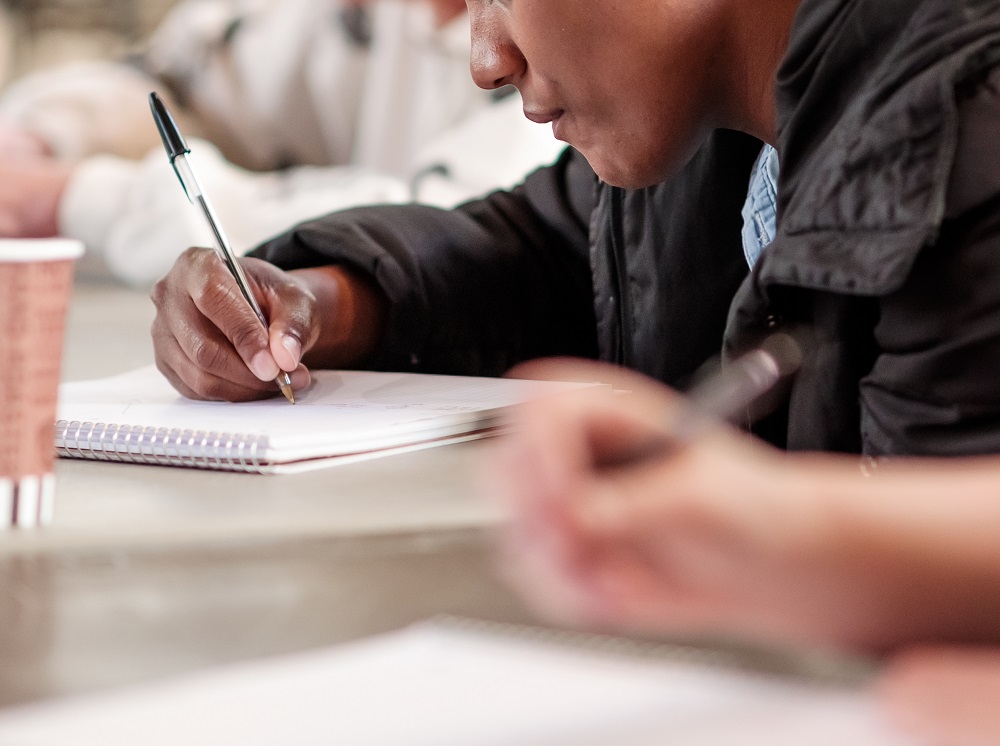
x,y
179,154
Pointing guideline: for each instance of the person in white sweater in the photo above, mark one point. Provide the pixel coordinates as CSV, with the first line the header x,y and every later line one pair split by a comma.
x,y
295,108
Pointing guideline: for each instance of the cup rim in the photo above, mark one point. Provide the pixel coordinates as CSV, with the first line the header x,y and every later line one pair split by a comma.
x,y
39,249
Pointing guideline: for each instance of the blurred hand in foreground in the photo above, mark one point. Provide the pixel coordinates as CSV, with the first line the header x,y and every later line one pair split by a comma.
x,y
722,534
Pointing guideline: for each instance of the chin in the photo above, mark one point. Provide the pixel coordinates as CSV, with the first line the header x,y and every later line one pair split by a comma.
x,y
621,172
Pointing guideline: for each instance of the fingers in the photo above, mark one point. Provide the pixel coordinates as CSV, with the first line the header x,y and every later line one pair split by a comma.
x,y
285,349
618,428
575,369
208,341
554,454
191,334
292,311
568,573
198,384
538,552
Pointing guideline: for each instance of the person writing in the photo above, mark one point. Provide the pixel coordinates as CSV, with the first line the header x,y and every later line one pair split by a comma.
x,y
883,244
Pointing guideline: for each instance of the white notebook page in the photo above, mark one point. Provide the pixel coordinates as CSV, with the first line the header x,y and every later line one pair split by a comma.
x,y
343,411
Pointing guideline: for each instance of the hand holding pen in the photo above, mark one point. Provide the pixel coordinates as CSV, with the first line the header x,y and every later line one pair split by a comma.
x,y
209,338
179,154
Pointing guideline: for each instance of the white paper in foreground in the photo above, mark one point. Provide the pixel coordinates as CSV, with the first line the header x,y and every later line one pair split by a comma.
x,y
440,686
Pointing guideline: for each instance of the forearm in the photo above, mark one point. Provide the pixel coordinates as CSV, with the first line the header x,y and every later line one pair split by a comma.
x,y
913,550
472,290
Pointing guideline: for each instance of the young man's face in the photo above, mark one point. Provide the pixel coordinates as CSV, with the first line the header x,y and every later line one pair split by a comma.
x,y
627,82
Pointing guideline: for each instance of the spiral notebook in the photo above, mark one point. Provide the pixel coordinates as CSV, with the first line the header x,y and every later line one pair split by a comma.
x,y
447,684
137,417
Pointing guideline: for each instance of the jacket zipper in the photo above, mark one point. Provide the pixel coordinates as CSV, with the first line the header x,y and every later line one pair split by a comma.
x,y
620,268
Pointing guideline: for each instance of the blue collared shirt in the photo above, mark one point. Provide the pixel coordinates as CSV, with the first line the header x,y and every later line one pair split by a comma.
x,y
760,208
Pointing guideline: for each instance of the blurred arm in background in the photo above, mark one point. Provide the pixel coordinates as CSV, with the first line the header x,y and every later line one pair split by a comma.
x,y
309,106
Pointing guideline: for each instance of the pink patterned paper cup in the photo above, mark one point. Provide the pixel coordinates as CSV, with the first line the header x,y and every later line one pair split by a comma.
x,y
36,277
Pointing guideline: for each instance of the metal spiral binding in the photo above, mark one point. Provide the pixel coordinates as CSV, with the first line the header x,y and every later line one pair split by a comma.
x,y
162,446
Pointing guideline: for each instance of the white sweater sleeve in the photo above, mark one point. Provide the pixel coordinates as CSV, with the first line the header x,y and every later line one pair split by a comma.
x,y
135,216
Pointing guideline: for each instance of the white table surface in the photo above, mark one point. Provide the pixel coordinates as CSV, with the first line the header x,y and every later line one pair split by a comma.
x,y
149,571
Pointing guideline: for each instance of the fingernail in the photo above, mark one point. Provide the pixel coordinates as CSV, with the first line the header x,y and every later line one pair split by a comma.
x,y
293,346
263,366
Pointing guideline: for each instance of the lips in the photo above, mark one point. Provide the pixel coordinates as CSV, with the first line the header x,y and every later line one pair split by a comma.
x,y
542,117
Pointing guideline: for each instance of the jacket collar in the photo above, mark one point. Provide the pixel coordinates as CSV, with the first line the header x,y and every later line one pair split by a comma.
x,y
867,126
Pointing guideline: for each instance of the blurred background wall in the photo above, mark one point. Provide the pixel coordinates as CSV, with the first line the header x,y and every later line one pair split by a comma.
x,y
38,33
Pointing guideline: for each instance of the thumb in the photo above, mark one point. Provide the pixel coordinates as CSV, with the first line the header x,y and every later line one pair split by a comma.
x,y
286,347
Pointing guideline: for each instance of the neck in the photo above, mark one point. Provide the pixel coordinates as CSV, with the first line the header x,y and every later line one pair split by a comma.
x,y
756,43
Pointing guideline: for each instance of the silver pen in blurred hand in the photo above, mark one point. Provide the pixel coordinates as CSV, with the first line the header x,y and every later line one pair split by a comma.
x,y
729,394
724,397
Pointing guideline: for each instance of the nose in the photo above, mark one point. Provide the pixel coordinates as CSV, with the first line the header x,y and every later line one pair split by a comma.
x,y
495,61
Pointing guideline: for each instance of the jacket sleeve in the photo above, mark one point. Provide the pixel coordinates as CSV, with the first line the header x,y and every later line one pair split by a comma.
x,y
476,289
933,389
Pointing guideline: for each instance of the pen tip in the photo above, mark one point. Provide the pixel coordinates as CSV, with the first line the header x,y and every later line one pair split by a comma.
x,y
286,389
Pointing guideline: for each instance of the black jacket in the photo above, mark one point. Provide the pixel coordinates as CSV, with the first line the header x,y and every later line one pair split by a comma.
x,y
549,267
886,248
887,245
